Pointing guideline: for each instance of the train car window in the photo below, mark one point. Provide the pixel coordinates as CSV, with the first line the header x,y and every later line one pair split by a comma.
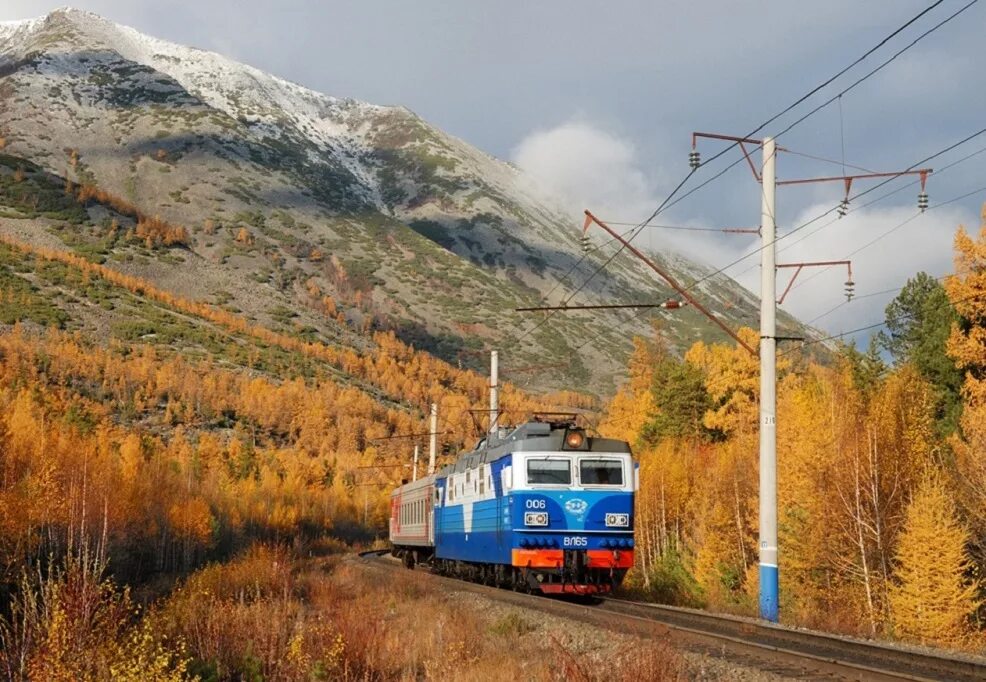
x,y
600,472
549,472
482,486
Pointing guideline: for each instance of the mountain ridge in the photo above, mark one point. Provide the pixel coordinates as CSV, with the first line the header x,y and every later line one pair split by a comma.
x,y
414,229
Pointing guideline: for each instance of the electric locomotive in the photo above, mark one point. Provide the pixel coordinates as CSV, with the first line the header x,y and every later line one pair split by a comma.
x,y
543,507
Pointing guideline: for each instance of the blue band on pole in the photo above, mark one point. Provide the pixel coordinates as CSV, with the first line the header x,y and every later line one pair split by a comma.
x,y
768,592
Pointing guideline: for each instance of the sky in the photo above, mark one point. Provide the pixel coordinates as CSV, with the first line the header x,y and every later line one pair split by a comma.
x,y
597,101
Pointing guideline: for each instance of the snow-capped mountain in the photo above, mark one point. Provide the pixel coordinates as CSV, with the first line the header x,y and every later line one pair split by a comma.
x,y
403,226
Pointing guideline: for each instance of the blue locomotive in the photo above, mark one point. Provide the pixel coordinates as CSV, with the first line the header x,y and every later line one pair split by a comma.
x,y
543,507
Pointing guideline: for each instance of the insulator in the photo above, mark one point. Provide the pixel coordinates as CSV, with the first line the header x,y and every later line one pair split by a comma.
x,y
586,245
694,160
850,289
844,207
923,201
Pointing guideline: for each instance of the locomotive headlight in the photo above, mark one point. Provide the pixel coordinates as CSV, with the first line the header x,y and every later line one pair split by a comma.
x,y
574,439
617,520
535,518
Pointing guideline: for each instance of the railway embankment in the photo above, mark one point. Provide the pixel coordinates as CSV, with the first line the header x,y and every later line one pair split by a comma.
x,y
705,645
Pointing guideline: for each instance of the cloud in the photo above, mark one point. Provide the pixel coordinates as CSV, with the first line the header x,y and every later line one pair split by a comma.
x,y
583,166
887,246
579,165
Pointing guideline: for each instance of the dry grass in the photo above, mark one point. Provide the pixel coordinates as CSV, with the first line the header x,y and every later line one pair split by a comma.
x,y
264,617
268,615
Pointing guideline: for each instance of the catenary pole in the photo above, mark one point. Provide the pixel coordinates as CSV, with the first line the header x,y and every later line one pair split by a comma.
x,y
494,392
414,476
768,389
433,439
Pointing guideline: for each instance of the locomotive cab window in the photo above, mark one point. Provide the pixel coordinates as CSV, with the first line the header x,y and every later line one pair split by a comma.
x,y
601,472
549,472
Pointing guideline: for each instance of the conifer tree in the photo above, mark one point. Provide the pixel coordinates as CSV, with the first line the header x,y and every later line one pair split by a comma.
x,y
679,400
919,321
932,599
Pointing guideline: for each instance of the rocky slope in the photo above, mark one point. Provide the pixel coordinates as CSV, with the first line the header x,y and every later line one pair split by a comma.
x,y
312,214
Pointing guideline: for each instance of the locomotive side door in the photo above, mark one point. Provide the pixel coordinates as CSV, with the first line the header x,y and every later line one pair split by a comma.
x,y
436,527
430,518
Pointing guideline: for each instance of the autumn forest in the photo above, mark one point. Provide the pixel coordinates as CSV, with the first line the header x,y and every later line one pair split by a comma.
x,y
145,490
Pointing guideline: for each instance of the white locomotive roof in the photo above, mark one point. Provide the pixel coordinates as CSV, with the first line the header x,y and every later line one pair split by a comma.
x,y
531,436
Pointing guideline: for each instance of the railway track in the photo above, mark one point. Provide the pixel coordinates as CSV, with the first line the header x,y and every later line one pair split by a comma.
x,y
787,651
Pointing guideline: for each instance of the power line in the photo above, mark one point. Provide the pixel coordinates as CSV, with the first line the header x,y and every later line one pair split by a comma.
x,y
870,295
875,325
815,157
667,203
689,228
848,68
829,211
882,65
938,173
822,215
895,228
829,81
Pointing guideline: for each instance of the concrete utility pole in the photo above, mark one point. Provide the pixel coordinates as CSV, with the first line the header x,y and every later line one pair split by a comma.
x,y
768,389
433,439
767,179
494,392
414,475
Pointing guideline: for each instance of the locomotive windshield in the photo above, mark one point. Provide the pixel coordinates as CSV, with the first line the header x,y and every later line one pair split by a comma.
x,y
549,472
600,472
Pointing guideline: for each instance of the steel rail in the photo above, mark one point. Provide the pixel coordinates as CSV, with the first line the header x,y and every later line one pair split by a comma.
x,y
807,651
877,657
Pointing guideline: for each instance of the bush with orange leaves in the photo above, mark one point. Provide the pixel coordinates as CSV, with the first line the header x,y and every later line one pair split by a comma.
x,y
152,229
70,623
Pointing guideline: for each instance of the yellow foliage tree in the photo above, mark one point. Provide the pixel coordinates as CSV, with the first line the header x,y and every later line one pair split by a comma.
x,y
732,378
631,406
967,346
932,600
